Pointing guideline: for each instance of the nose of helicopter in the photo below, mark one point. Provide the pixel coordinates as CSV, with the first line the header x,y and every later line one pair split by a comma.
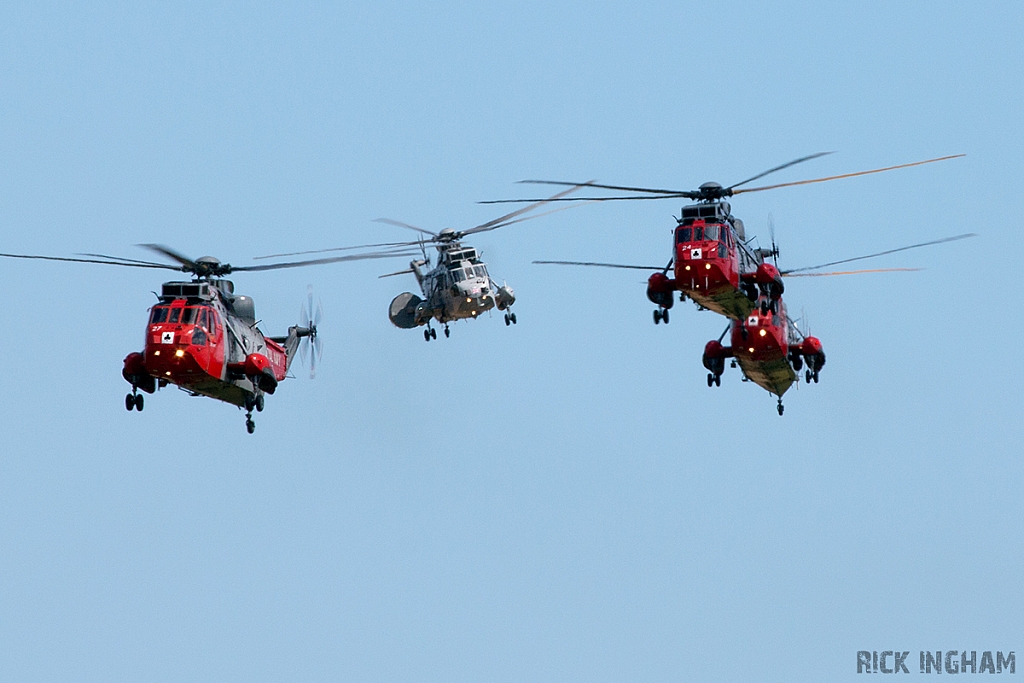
x,y
475,297
169,354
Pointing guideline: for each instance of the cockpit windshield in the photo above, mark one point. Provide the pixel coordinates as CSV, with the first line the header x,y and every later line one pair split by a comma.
x,y
188,315
699,233
469,272
158,315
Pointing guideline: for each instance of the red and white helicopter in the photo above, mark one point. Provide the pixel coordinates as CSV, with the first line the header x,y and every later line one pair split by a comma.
x,y
203,337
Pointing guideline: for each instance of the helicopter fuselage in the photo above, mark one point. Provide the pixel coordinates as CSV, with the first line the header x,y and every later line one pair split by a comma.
x,y
713,265
457,288
203,338
769,349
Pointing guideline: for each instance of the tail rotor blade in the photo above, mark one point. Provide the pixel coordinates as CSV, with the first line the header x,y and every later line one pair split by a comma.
x,y
315,354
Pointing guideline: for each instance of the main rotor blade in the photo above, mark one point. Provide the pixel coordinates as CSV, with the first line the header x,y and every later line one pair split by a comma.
x,y
678,195
600,265
846,175
126,260
162,266
779,168
524,218
881,253
320,261
171,254
397,272
856,272
497,222
621,188
322,251
400,224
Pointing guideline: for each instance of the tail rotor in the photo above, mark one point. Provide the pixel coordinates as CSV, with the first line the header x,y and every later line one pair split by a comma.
x,y
310,317
771,233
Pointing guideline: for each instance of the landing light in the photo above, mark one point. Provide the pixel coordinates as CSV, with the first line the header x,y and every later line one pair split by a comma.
x,y
687,267
763,332
168,373
180,353
751,349
469,300
707,266
156,353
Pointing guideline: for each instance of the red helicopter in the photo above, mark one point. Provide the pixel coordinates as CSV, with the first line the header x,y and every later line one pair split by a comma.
x,y
716,267
203,337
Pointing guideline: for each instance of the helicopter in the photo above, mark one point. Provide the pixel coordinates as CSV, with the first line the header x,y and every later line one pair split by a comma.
x,y
770,350
459,286
203,337
712,260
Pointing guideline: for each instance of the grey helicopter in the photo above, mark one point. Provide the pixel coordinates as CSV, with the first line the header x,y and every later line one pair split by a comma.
x,y
458,286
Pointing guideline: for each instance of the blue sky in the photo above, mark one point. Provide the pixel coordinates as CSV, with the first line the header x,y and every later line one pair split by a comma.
x,y
560,500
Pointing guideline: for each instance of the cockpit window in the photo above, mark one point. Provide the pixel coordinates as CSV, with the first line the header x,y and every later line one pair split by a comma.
x,y
481,271
159,315
188,315
711,232
683,235
456,276
698,234
175,315
201,320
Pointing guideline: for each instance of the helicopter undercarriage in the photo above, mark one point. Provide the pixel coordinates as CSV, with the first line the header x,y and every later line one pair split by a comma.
x,y
242,393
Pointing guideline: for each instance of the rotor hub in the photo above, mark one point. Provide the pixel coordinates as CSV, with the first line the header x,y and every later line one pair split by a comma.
x,y
206,266
711,191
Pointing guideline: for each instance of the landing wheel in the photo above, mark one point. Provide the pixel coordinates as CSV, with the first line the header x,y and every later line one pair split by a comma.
x,y
507,320
711,379
657,316
129,402
764,308
139,403
259,403
813,376
447,332
718,380
250,426
807,376
433,333
512,317
782,408
773,306
426,335
664,316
